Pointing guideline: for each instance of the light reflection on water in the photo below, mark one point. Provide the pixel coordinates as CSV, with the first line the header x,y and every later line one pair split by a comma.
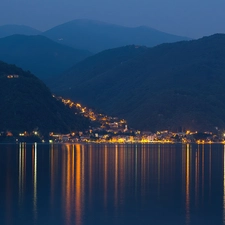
x,y
112,184
224,184
34,169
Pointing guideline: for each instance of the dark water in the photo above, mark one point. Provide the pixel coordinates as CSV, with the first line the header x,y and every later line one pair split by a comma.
x,y
112,184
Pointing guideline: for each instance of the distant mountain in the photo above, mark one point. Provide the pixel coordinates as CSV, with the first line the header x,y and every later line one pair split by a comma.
x,y
11,29
40,55
97,36
166,87
27,104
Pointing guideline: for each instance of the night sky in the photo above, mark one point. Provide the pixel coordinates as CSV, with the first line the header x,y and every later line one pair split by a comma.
x,y
192,18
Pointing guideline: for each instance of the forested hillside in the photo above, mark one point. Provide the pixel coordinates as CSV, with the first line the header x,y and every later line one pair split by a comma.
x,y
27,104
166,87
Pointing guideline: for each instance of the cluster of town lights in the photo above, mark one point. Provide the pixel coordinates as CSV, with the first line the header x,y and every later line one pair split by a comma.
x,y
114,130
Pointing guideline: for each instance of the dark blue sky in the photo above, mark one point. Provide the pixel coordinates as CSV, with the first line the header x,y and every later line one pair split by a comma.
x,y
193,18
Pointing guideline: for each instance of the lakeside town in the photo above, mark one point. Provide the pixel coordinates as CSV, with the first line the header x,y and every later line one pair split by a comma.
x,y
108,129
115,130
137,137
117,135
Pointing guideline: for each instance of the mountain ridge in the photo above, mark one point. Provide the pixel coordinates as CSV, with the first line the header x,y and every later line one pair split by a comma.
x,y
11,29
166,87
97,36
39,54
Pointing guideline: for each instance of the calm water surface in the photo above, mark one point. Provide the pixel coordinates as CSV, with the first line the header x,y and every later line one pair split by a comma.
x,y
112,184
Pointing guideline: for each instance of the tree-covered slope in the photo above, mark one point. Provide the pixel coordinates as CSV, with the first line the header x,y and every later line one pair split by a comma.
x,y
98,36
166,87
26,104
95,65
11,29
40,55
